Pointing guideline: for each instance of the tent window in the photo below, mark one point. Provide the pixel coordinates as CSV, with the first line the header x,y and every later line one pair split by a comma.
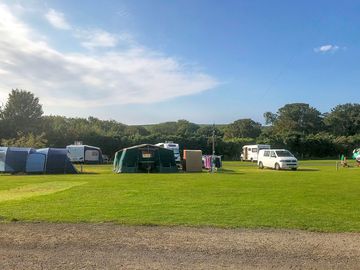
x,y
147,154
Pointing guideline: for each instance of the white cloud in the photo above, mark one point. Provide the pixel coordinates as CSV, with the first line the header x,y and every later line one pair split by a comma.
x,y
133,74
97,38
57,19
327,48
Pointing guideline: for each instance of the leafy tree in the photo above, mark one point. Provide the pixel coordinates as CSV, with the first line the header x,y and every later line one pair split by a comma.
x,y
22,113
344,119
136,131
243,128
207,131
297,117
166,128
186,128
27,140
270,118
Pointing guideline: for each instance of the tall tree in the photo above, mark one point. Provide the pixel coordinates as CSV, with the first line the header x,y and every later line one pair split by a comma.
x,y
297,117
186,128
21,113
207,131
344,119
243,128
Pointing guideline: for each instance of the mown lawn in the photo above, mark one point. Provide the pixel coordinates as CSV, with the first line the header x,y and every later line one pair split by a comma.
x,y
317,197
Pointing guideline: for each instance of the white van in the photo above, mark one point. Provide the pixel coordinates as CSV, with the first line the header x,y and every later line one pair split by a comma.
x,y
277,159
172,146
250,152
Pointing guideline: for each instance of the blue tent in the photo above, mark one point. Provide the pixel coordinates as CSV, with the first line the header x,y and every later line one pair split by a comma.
x,y
57,161
13,159
36,163
47,160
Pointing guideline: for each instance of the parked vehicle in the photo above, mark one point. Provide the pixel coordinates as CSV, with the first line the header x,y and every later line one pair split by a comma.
x,y
84,154
172,146
277,159
250,152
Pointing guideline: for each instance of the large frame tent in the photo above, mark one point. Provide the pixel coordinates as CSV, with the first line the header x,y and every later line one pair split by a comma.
x,y
145,158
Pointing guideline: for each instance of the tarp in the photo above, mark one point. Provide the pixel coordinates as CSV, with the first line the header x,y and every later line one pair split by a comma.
x,y
145,158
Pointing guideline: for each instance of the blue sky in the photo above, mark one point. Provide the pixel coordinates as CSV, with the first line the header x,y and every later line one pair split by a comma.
x,y
208,61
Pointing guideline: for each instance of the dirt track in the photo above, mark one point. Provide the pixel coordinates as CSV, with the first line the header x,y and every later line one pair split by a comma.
x,y
108,246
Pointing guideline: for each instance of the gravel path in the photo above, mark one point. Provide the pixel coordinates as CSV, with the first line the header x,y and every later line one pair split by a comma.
x,y
109,246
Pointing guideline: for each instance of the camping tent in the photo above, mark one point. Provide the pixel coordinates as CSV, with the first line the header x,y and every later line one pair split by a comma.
x,y
57,161
13,159
36,162
29,160
145,158
84,154
356,153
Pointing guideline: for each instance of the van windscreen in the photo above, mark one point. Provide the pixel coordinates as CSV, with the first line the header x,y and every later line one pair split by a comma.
x,y
283,154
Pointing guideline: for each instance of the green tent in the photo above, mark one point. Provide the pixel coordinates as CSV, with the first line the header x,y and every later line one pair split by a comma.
x,y
145,158
356,153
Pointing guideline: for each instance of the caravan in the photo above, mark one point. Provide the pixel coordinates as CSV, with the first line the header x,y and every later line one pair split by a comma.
x,y
84,154
172,146
250,152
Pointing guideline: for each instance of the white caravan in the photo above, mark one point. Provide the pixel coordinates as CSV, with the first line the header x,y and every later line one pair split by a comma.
x,y
84,154
172,146
250,152
277,159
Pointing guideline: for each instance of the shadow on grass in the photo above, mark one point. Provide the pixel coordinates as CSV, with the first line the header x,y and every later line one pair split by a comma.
x,y
228,171
307,170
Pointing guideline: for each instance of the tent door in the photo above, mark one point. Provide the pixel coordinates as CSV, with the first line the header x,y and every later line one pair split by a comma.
x,y
35,163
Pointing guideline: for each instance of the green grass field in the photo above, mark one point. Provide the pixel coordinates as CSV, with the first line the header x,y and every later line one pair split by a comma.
x,y
317,197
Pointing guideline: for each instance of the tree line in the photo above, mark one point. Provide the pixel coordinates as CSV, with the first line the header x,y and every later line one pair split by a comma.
x,y
302,129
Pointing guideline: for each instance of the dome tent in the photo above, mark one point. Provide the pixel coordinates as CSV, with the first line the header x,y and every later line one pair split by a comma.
x,y
145,158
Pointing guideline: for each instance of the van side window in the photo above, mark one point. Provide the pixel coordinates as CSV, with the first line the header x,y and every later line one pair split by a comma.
x,y
254,150
273,154
266,153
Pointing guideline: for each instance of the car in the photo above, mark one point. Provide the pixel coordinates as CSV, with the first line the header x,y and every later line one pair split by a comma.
x,y
277,159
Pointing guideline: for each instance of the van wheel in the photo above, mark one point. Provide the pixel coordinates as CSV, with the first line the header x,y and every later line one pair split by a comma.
x,y
261,165
277,166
